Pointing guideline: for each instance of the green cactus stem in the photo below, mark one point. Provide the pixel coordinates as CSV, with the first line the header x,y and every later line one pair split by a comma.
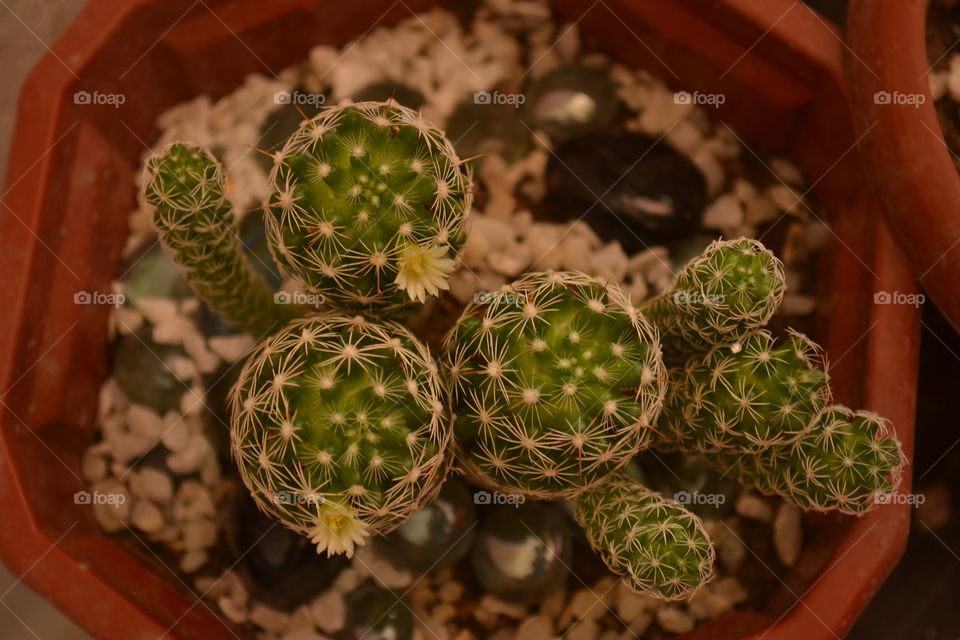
x,y
185,185
369,207
339,429
658,546
555,382
732,288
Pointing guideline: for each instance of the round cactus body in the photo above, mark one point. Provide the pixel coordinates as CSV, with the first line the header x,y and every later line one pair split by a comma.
x,y
746,397
555,382
657,544
732,288
369,207
338,428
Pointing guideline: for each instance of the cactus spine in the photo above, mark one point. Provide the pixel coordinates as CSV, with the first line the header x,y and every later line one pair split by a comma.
x,y
369,206
656,544
185,185
339,429
555,384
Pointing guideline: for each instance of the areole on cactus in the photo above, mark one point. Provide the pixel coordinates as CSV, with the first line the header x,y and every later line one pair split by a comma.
x,y
369,207
339,428
555,383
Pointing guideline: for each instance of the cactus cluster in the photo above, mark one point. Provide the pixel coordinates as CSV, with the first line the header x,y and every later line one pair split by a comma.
x,y
185,186
368,207
555,382
339,428
342,426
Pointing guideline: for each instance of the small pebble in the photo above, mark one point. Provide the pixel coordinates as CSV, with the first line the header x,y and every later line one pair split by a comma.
x,y
726,212
233,611
583,630
535,628
192,560
500,607
674,619
147,517
753,507
93,467
199,534
788,533
230,348
329,611
450,591
268,618
156,485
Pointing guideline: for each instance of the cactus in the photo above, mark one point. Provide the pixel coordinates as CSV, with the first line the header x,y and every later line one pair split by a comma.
x,y
747,396
657,544
732,288
338,428
761,411
185,186
555,383
369,206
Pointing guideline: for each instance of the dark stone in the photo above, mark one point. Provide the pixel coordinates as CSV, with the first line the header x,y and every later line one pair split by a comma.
x,y
144,371
477,129
522,552
377,614
280,566
648,192
688,480
383,91
253,240
438,535
152,273
572,101
279,126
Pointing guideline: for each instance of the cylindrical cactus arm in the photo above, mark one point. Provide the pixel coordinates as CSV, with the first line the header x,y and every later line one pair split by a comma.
x,y
846,461
657,544
369,207
338,428
746,396
732,288
185,185
759,411
555,382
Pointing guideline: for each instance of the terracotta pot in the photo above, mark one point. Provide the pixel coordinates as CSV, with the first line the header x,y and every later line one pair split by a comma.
x,y
70,186
902,145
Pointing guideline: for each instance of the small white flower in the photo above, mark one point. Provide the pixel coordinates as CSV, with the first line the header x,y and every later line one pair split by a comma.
x,y
338,530
424,270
